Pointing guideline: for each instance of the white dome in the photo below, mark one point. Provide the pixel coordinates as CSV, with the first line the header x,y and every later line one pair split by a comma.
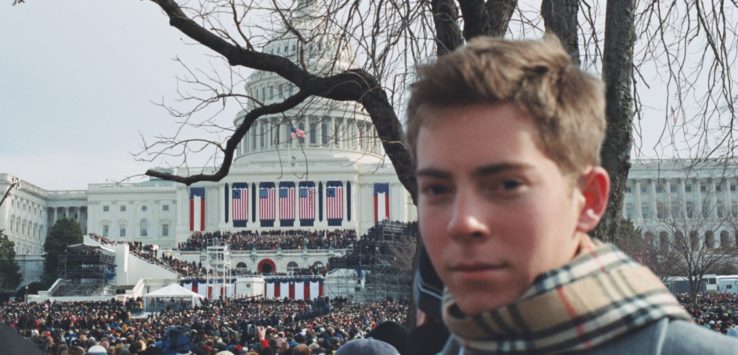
x,y
330,128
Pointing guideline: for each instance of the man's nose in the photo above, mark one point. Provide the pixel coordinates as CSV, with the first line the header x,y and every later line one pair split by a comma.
x,y
467,217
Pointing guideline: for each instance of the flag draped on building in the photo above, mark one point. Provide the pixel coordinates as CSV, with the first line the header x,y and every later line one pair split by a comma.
x,y
287,204
296,288
267,204
307,203
381,202
240,204
334,202
197,208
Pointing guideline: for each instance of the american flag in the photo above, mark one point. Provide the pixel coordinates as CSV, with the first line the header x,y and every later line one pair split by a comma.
x,y
334,202
307,200
240,204
266,202
287,201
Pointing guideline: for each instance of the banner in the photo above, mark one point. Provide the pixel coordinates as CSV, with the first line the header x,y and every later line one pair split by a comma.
x,y
307,203
267,204
197,208
381,202
240,204
286,204
334,202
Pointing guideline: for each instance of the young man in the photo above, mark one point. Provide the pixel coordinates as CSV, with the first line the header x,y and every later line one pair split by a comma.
x,y
506,138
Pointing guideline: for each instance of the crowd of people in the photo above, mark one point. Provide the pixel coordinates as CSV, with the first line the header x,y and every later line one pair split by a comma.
x,y
239,326
716,311
272,240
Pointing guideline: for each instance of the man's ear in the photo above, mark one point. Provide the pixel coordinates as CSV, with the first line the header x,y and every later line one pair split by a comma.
x,y
595,188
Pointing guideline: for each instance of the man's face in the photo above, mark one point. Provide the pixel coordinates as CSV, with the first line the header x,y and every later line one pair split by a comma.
x,y
494,211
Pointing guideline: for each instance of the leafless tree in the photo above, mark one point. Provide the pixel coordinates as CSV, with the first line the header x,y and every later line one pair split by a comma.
x,y
694,243
388,38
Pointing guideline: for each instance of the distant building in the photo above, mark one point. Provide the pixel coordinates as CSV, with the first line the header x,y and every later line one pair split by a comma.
x,y
318,166
667,197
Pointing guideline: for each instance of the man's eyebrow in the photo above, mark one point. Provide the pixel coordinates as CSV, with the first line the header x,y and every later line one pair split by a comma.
x,y
433,172
494,169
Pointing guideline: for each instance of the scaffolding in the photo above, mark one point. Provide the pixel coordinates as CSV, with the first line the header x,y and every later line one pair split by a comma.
x,y
86,270
382,262
217,258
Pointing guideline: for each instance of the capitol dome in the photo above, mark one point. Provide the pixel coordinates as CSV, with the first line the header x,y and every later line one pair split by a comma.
x,y
317,129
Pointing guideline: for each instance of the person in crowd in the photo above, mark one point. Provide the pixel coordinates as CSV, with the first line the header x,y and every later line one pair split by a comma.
x,y
506,139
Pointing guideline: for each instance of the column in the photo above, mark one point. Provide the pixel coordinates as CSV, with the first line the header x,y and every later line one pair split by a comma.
x,y
712,194
682,197
698,203
637,200
652,197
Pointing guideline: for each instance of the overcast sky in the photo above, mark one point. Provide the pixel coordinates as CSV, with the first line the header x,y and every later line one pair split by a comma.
x,y
76,83
77,78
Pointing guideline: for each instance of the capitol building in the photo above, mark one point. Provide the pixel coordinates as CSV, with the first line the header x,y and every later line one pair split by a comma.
x,y
318,166
321,166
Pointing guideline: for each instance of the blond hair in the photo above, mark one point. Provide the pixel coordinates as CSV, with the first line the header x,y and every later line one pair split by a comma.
x,y
567,104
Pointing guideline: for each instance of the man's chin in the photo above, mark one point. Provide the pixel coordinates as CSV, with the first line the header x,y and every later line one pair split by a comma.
x,y
476,302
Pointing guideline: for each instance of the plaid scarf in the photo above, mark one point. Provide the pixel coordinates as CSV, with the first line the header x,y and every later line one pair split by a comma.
x,y
600,295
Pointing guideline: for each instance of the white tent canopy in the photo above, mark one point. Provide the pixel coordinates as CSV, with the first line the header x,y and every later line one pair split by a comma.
x,y
173,296
173,290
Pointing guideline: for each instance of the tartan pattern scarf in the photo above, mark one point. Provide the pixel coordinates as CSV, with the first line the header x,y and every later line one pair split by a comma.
x,y
600,295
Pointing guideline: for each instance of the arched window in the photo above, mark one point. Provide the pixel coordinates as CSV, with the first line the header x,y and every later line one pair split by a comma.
x,y
709,240
241,268
291,266
694,240
725,239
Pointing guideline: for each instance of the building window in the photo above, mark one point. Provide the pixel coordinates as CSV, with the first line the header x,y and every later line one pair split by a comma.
x,y
673,188
688,187
122,230
165,230
144,228
105,230
703,187
627,189
676,209
658,188
644,188
690,209
106,208
324,133
719,187
660,213
123,208
732,187
165,207
144,208
645,210
313,133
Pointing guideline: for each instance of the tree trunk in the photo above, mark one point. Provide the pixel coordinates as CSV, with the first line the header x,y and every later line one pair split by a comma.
x,y
560,17
617,69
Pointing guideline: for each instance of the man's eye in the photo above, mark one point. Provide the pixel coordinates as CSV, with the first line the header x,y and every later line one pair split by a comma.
x,y
509,185
435,190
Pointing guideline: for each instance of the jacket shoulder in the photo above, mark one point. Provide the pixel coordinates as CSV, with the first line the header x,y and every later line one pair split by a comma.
x,y
689,338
